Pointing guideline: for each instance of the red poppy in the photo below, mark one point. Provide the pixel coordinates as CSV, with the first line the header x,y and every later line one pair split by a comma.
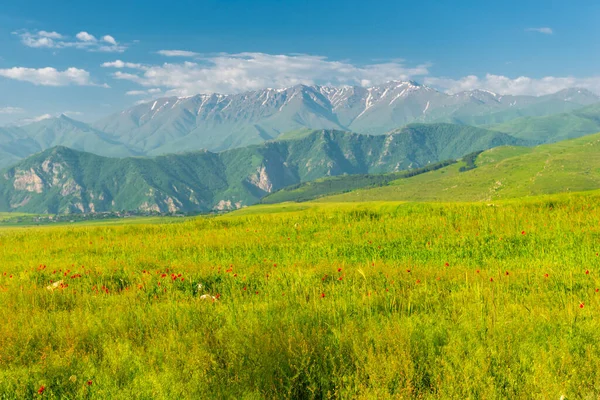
x,y
491,279
339,270
447,264
418,281
581,305
546,275
507,273
41,389
477,271
408,270
522,232
587,272
89,383
322,295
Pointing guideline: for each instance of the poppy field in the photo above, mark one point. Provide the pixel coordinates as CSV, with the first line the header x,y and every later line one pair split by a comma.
x,y
366,300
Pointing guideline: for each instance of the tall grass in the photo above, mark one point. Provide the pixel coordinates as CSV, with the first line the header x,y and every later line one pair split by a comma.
x,y
376,300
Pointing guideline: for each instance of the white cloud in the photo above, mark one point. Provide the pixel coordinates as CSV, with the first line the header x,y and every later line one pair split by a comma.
x,y
83,41
85,37
73,113
518,86
11,110
39,118
177,53
49,76
154,91
51,35
121,64
234,73
544,30
109,39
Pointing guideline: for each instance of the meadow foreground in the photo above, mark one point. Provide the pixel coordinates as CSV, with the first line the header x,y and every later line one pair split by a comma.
x,y
368,300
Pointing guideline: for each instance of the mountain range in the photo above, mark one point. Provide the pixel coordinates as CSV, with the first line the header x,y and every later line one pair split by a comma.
x,y
63,180
218,122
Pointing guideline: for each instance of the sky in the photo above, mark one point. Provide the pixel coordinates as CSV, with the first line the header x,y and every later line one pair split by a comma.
x,y
90,59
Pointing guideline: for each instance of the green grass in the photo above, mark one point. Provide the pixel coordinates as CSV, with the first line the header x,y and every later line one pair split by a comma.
x,y
568,166
369,300
345,183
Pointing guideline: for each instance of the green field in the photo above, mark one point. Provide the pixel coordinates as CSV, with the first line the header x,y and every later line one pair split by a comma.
x,y
333,300
500,173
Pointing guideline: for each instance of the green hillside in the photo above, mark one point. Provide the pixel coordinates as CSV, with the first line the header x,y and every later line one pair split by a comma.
x,y
554,128
342,184
61,180
503,172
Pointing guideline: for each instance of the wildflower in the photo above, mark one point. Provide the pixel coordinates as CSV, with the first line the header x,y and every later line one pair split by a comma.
x,y
340,278
597,290
447,264
523,233
408,270
418,281
477,271
491,279
322,295
41,389
587,272
506,273
339,270
89,382
546,275
581,305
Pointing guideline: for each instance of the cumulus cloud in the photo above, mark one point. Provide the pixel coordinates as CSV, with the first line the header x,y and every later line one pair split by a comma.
x,y
177,53
51,35
109,39
122,64
85,37
11,110
522,85
82,40
49,76
234,73
544,30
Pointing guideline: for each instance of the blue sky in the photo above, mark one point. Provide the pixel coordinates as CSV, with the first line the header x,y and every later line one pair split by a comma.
x,y
89,59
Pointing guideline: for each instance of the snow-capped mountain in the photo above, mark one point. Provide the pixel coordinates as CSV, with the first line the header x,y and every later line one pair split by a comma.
x,y
218,122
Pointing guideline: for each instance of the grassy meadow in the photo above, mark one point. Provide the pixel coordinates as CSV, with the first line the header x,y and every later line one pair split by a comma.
x,y
314,300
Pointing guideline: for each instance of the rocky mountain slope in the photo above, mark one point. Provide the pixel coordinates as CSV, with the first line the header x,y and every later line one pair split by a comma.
x,y
62,180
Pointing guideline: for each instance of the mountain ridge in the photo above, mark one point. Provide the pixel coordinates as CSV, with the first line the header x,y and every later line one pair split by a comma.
x,y
220,122
62,180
